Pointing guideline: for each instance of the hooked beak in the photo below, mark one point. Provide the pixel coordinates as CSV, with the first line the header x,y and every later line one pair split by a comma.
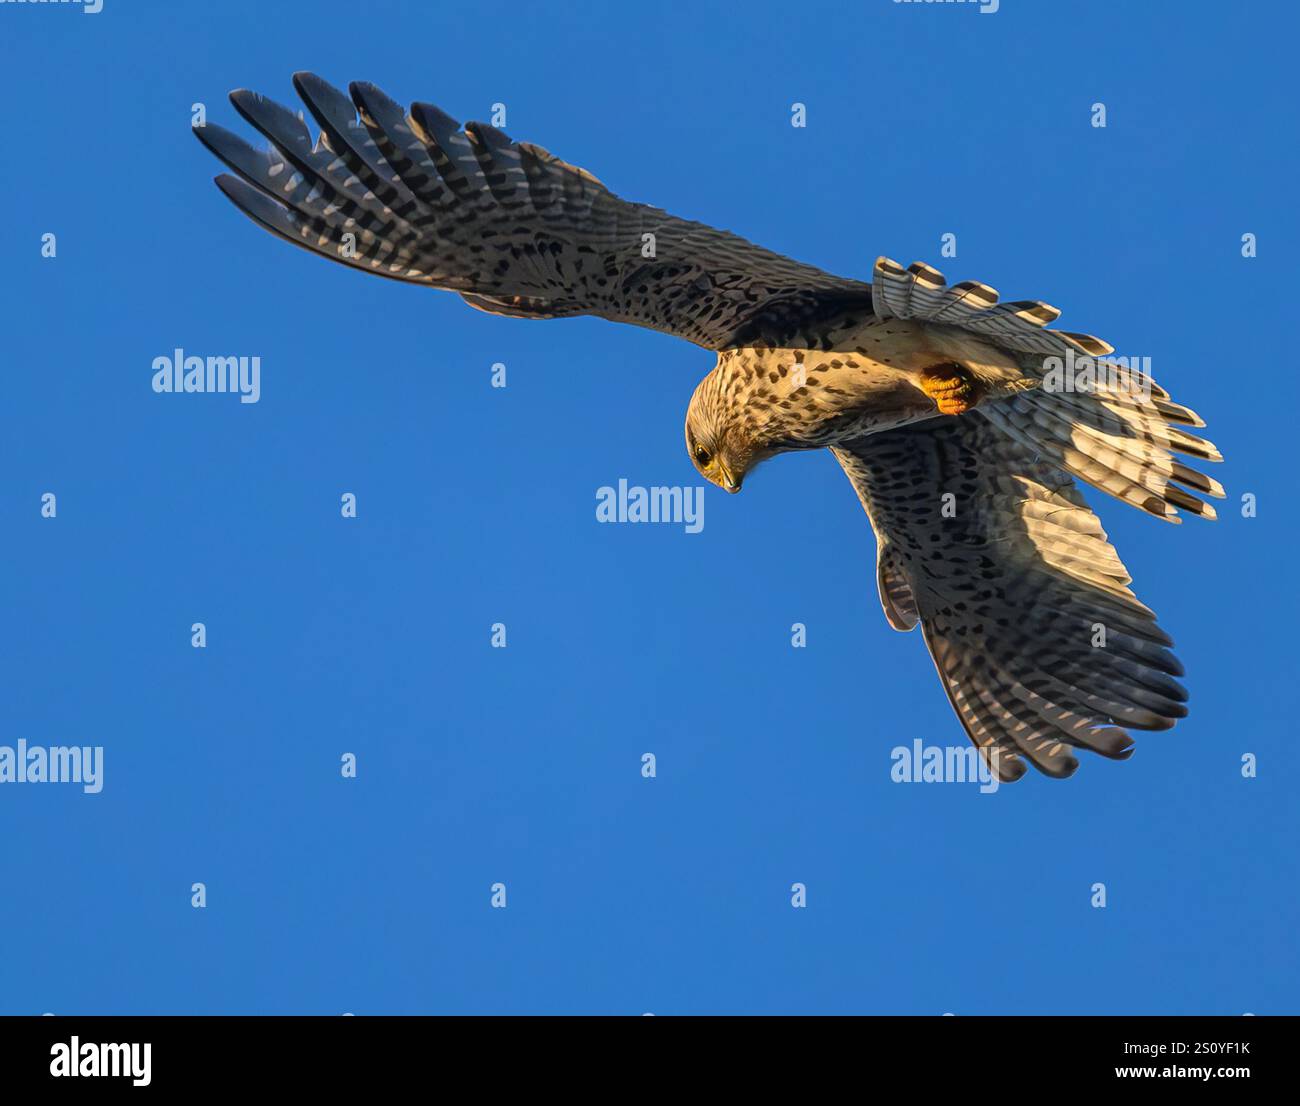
x,y
729,482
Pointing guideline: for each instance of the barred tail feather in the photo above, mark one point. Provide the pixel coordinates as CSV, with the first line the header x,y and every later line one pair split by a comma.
x,y
1125,449
1118,434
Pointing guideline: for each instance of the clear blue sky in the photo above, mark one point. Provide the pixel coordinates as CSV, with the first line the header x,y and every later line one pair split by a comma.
x,y
522,766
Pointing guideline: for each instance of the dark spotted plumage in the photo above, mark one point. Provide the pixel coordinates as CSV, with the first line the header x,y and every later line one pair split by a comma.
x,y
1024,604
508,225
982,538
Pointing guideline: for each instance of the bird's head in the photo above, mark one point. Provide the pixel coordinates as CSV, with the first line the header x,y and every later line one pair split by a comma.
x,y
720,443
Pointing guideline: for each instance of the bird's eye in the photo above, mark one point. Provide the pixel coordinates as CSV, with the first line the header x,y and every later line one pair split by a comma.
x,y
702,456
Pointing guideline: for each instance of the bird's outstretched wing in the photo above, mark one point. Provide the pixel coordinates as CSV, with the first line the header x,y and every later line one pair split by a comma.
x,y
512,228
1024,604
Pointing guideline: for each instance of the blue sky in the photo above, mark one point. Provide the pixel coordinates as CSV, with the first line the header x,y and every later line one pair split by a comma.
x,y
476,506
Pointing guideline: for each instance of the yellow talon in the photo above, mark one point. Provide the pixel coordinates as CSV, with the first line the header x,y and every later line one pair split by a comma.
x,y
952,387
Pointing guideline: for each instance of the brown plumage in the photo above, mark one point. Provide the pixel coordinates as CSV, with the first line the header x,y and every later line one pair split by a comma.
x,y
945,408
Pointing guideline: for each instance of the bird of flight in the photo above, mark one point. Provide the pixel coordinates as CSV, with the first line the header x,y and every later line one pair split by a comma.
x,y
945,408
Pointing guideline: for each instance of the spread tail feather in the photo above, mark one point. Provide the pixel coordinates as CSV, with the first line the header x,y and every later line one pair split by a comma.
x,y
1111,426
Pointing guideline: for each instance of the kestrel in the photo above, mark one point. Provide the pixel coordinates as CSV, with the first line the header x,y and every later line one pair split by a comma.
x,y
947,410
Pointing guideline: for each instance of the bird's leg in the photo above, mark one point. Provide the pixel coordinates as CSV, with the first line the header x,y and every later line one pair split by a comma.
x,y
953,387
